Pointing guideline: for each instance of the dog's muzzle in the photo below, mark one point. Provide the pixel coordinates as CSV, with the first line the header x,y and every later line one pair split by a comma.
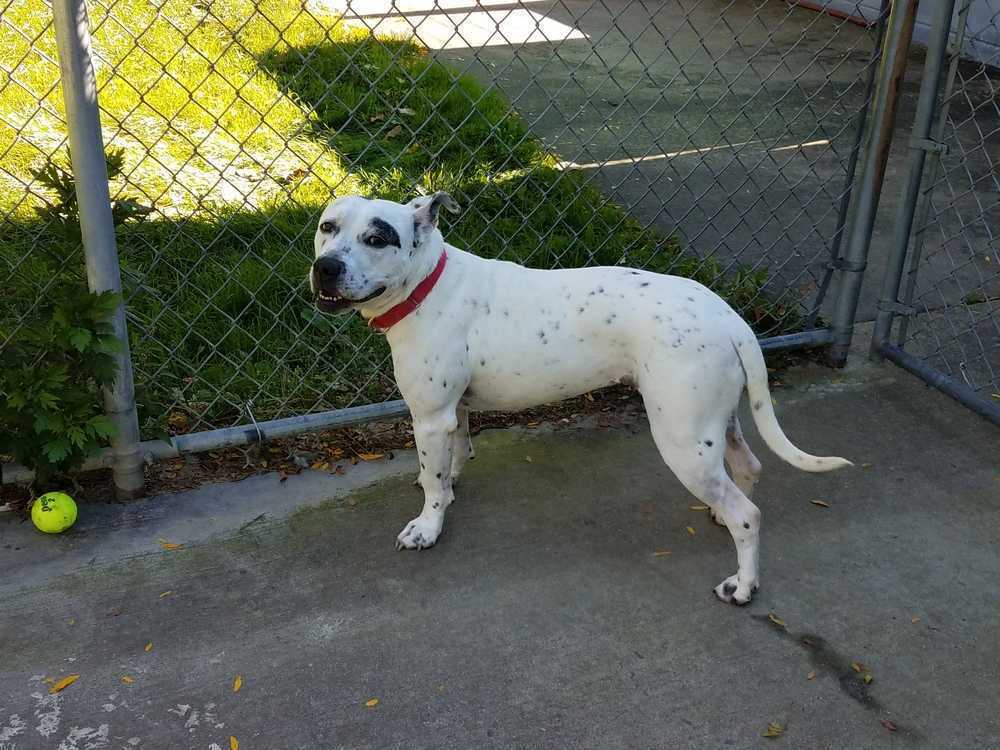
x,y
327,274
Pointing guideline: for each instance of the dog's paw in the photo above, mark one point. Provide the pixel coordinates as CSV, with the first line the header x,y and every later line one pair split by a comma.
x,y
717,517
734,592
420,533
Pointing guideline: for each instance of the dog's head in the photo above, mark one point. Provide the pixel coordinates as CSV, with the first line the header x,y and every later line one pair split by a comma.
x,y
370,254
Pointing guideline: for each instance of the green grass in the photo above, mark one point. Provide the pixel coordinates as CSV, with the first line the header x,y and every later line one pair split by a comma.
x,y
237,126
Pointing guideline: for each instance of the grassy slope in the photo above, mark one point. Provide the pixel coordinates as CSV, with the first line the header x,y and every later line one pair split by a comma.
x,y
238,125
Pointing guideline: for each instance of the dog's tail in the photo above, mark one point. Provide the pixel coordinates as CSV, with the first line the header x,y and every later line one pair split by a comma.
x,y
762,409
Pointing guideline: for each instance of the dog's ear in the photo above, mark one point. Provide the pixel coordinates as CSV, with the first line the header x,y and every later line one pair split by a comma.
x,y
427,207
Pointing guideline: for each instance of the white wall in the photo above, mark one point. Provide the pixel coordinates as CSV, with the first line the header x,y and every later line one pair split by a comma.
x,y
982,37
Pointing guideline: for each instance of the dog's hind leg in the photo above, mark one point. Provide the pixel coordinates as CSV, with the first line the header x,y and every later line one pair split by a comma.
x,y
461,445
696,458
743,464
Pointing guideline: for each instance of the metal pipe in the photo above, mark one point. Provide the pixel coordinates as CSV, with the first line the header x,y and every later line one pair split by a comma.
x,y
920,144
864,204
923,210
79,85
852,165
229,437
947,385
801,340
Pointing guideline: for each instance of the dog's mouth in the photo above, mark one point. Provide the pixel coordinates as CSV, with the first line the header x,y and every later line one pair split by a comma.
x,y
336,303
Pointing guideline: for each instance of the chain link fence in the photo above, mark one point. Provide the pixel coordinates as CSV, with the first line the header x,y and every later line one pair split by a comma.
x,y
706,138
948,328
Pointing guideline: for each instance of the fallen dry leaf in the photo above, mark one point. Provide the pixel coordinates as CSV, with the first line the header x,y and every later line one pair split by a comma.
x,y
234,744
811,675
690,530
72,621
867,679
371,702
532,424
395,132
888,725
409,444
64,683
698,507
127,680
320,466
528,459
866,466
169,545
774,729
370,456
588,396
857,666
820,503
406,111
165,594
914,620
661,552
775,619
237,683
148,647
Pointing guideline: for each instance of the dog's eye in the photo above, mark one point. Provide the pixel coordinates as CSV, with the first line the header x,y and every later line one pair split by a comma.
x,y
327,227
376,240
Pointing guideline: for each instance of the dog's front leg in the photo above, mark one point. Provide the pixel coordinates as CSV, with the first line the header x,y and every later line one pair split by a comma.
x,y
434,435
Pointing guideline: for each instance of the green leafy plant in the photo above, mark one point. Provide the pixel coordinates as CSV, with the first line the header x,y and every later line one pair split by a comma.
x,y
58,180
53,370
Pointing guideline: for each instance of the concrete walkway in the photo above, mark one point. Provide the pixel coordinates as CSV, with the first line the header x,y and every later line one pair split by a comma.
x,y
544,617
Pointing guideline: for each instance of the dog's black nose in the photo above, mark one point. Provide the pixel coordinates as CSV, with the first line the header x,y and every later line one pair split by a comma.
x,y
328,268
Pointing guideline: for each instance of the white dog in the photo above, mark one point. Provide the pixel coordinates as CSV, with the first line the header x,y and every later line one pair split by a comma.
x,y
470,333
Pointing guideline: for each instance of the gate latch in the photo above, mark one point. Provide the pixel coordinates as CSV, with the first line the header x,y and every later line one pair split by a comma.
x,y
926,144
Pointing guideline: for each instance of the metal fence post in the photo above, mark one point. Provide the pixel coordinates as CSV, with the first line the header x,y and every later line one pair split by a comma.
x,y
920,144
864,204
79,87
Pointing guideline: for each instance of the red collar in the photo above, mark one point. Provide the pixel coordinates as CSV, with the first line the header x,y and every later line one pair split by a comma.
x,y
393,315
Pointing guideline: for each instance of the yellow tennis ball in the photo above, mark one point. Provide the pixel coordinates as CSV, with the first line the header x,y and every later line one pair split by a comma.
x,y
53,512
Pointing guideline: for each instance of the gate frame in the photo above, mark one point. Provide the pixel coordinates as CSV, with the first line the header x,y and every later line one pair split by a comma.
x,y
923,142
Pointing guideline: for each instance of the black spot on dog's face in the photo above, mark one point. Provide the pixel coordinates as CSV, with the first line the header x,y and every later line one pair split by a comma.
x,y
708,443
381,234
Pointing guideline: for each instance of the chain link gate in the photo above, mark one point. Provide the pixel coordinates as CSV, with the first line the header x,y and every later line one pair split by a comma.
x,y
939,316
712,139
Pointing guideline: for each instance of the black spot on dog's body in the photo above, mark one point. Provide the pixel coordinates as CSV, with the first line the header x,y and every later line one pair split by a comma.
x,y
436,505
482,363
439,475
757,405
729,589
708,443
746,525
444,384
645,283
